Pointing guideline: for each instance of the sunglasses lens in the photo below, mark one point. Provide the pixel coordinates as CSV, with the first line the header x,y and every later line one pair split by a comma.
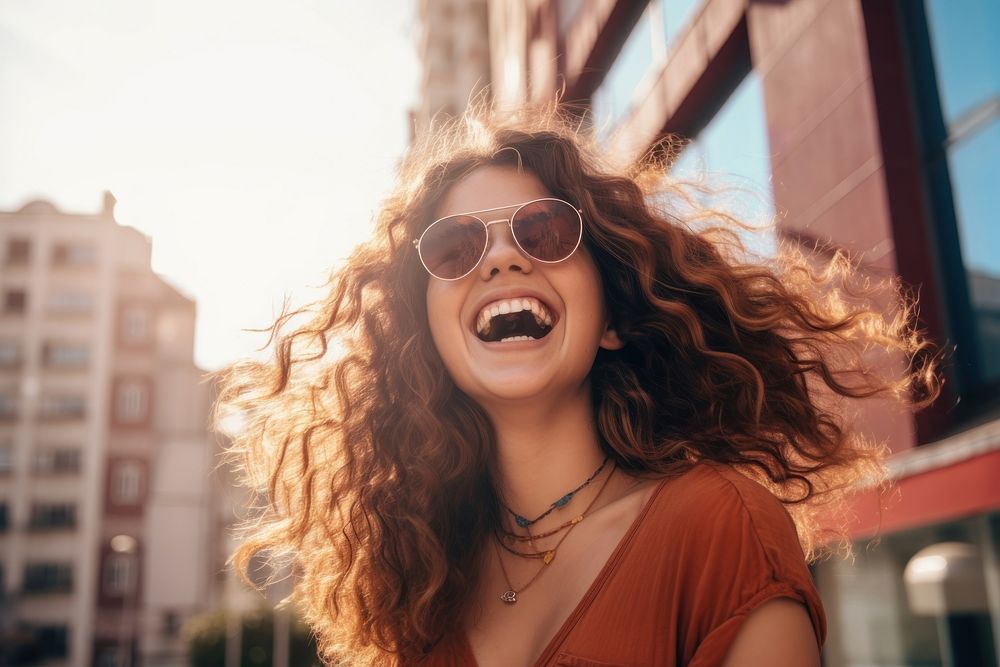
x,y
548,229
451,247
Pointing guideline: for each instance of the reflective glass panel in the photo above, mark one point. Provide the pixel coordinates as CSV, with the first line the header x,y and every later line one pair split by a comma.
x,y
732,156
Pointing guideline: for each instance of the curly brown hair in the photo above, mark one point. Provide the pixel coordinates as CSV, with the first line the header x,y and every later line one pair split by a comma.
x,y
375,471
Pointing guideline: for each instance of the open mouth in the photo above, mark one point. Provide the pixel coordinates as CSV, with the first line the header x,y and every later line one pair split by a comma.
x,y
512,320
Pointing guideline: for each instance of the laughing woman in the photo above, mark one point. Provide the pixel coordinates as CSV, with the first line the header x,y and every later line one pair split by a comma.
x,y
540,420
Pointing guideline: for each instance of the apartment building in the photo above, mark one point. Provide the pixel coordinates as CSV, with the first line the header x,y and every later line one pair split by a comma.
x,y
455,57
873,127
105,534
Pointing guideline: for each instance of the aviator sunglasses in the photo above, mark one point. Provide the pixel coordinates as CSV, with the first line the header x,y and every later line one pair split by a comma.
x,y
548,230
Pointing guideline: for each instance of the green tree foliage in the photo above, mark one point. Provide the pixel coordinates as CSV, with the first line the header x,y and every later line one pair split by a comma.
x,y
206,636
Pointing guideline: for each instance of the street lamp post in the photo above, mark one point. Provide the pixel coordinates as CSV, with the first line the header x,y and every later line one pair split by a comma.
x,y
127,546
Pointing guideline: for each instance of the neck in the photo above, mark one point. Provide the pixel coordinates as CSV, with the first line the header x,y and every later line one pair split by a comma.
x,y
544,450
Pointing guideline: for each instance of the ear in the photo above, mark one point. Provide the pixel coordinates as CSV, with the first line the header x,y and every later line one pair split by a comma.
x,y
610,339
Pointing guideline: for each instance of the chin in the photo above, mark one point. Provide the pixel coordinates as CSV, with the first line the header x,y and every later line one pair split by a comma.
x,y
511,388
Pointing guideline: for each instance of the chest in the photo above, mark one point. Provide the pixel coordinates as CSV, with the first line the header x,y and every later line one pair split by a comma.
x,y
504,633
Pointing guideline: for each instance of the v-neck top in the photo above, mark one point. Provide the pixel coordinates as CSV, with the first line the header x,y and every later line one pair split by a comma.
x,y
708,548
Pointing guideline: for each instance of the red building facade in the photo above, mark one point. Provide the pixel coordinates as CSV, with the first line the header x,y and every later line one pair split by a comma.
x,y
876,130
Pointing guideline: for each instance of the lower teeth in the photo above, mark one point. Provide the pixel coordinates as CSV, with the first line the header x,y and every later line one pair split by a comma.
x,y
512,339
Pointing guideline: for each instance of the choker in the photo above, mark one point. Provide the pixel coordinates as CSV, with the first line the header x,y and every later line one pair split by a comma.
x,y
523,522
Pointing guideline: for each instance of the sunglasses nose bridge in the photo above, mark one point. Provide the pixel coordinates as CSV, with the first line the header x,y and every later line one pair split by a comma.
x,y
499,221
500,245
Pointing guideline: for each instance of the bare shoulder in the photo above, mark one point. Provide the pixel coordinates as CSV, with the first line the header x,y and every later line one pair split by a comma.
x,y
777,633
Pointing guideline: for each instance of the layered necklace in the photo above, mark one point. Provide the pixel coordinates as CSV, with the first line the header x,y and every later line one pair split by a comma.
x,y
547,555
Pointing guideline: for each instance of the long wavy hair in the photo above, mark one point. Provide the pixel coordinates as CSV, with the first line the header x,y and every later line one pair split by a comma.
x,y
373,471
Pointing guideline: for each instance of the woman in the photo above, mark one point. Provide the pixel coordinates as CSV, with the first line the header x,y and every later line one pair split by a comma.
x,y
539,420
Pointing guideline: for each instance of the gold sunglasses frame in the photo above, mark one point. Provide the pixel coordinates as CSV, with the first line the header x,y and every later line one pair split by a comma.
x,y
486,225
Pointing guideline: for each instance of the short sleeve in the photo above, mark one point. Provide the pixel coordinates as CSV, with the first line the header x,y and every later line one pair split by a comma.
x,y
742,551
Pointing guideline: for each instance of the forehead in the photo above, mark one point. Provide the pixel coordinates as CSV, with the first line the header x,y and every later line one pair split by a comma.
x,y
490,187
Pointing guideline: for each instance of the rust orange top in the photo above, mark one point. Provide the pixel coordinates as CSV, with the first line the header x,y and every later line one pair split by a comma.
x,y
708,548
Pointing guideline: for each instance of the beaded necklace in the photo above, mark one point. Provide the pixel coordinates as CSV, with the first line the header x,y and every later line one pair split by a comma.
x,y
561,502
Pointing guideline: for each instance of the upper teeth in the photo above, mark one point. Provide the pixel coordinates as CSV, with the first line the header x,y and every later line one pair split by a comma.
x,y
504,306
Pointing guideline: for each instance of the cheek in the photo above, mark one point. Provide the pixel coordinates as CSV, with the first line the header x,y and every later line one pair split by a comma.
x,y
443,322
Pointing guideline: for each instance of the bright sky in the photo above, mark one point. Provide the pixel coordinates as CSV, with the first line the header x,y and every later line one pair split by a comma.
x,y
251,139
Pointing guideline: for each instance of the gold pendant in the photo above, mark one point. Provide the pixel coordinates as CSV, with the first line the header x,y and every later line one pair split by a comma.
x,y
510,597
549,557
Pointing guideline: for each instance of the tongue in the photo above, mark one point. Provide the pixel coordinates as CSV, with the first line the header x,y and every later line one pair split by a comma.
x,y
515,324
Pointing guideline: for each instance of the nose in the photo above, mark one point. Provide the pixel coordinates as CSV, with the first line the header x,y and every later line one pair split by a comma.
x,y
502,252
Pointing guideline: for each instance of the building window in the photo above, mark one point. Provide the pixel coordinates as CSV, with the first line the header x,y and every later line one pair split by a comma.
x,y
10,354
80,253
8,405
915,597
956,60
731,155
62,407
120,574
67,302
126,483
113,656
52,640
135,324
613,99
4,521
15,302
132,402
66,355
57,460
6,458
48,578
52,516
171,624
18,252
675,14
567,11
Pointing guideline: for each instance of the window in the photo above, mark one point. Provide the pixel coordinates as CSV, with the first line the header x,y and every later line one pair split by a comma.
x,y
171,624
877,609
956,59
132,402
613,99
49,516
53,640
66,355
113,656
62,407
120,574
567,11
79,253
18,252
651,40
135,324
48,578
67,302
675,15
732,155
15,302
10,354
8,405
4,519
126,483
55,460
